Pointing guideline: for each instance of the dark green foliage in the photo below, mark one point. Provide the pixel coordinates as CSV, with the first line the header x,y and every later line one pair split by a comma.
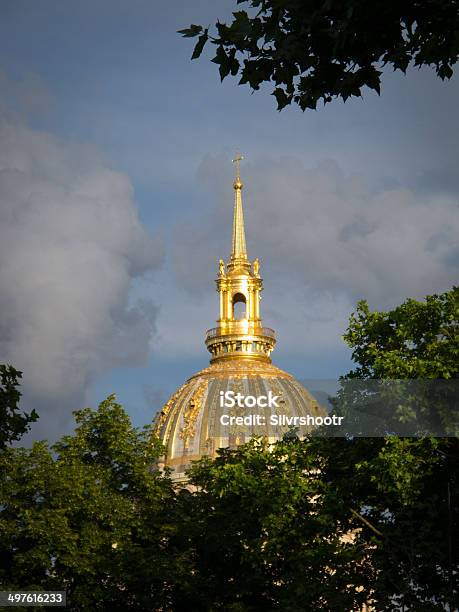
x,y
415,340
324,524
406,492
408,488
316,50
268,534
415,347
13,424
90,515
316,524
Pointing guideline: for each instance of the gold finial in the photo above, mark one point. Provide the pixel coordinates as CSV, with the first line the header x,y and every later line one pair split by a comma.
x,y
238,251
237,179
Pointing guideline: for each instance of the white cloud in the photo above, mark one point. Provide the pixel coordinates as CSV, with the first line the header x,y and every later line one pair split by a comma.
x,y
336,235
71,243
330,232
325,240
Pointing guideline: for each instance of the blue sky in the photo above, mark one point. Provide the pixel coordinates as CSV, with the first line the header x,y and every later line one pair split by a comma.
x,y
101,104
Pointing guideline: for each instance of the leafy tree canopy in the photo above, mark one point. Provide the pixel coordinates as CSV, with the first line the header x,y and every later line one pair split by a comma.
x,y
320,523
408,488
90,515
382,512
13,423
415,347
323,524
414,340
270,533
314,50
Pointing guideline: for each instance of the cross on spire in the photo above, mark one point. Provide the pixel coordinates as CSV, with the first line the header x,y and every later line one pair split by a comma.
x,y
236,161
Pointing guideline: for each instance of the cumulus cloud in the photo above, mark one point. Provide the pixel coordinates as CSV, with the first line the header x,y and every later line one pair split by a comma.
x,y
71,244
383,246
331,233
325,240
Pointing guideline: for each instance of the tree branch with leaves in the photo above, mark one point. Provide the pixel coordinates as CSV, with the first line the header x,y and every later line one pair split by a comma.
x,y
314,51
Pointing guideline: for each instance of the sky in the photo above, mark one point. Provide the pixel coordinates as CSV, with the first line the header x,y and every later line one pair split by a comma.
x,y
116,204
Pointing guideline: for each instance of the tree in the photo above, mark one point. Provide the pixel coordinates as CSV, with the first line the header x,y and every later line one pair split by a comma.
x,y
406,379
267,527
268,532
414,340
13,424
320,523
403,495
90,515
407,488
319,50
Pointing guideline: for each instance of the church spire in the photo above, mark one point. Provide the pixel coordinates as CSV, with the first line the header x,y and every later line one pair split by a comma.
x,y
238,246
239,249
240,333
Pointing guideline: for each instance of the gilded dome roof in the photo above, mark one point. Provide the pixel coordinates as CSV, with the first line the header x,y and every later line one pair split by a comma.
x,y
190,422
203,416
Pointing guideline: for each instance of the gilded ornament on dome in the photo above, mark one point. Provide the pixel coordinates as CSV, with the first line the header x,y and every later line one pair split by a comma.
x,y
191,413
161,418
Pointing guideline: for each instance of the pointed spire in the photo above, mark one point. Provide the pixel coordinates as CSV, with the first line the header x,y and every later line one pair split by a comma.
x,y
238,247
240,333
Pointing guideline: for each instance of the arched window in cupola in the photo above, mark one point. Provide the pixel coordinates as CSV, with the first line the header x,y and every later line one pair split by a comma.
x,y
239,306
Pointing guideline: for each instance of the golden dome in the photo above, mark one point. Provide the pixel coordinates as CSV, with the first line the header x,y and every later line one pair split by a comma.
x,y
212,410
190,422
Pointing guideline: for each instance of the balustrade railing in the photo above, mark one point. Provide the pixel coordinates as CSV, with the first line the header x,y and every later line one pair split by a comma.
x,y
259,331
